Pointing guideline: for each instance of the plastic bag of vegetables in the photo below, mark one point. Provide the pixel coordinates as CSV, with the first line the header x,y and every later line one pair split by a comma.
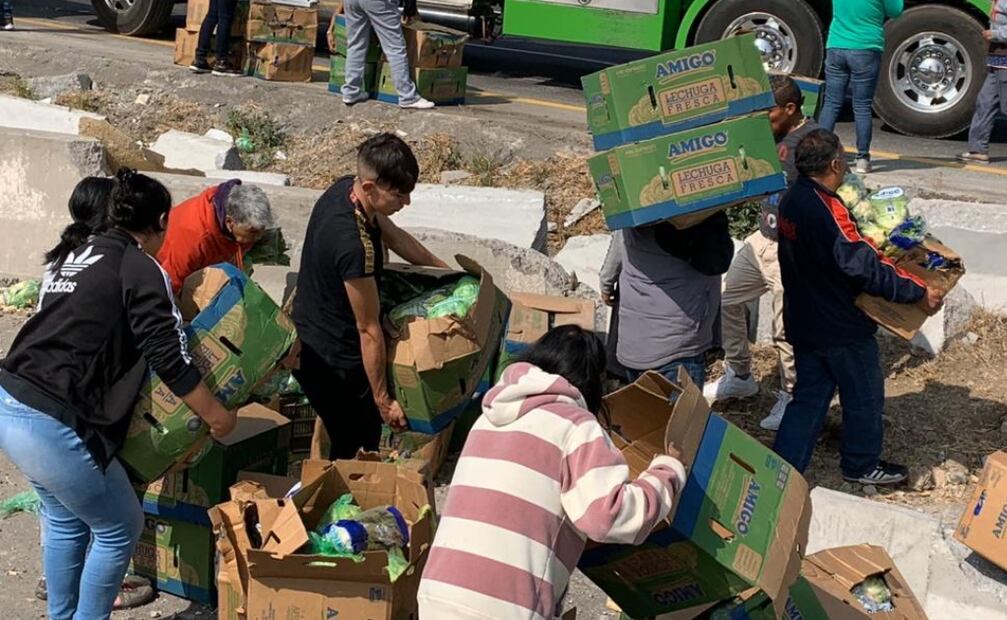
x,y
890,206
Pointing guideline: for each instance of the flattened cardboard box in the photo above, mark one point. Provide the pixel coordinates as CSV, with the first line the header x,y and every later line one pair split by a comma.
x,y
337,74
688,172
196,11
531,316
740,522
430,46
280,62
236,337
905,320
984,522
336,36
438,364
278,23
280,582
443,86
676,91
177,557
185,48
258,443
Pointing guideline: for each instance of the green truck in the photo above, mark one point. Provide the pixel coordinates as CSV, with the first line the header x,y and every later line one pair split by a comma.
x,y
931,73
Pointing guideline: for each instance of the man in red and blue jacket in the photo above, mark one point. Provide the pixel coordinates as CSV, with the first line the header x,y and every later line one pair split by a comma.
x,y
825,265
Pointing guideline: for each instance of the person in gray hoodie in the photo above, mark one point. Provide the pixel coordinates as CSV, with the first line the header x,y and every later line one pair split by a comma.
x,y
669,296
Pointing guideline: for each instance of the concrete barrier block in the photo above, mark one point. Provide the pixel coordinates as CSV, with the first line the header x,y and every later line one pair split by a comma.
x,y
513,216
38,171
182,150
584,256
18,113
249,176
52,85
949,323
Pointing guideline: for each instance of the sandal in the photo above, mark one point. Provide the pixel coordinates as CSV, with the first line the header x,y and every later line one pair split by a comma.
x,y
135,592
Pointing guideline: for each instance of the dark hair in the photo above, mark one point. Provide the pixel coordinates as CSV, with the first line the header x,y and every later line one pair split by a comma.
x,y
390,161
138,202
89,204
786,90
575,354
816,152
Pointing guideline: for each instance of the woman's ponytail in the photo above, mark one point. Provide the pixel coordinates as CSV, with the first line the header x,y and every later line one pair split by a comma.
x,y
89,205
138,202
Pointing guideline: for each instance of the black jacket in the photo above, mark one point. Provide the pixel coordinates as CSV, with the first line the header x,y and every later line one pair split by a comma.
x,y
825,264
104,317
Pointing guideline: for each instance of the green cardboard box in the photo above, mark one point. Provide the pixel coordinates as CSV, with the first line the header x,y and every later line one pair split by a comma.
x,y
280,23
442,86
688,172
236,337
741,522
337,74
337,40
675,91
258,443
531,316
177,557
437,364
814,95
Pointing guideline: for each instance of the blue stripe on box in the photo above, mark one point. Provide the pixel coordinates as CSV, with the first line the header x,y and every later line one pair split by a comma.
x,y
740,107
667,210
228,297
179,511
694,494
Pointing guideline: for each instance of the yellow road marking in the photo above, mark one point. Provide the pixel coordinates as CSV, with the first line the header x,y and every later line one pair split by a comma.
x,y
937,163
51,23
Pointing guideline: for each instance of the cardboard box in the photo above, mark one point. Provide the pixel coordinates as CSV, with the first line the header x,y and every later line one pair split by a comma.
x,y
531,316
419,451
688,172
437,365
814,95
259,443
196,10
280,62
259,537
185,48
337,74
442,86
984,522
279,23
177,557
236,336
430,46
905,320
228,598
336,36
741,521
676,91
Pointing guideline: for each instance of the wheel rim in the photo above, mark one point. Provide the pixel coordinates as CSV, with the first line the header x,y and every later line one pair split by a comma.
x,y
774,37
120,6
930,72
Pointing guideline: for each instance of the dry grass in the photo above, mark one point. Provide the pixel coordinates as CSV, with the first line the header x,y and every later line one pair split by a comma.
x,y
95,101
14,84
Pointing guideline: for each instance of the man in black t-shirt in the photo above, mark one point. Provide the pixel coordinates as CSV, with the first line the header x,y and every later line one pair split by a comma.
x,y
343,369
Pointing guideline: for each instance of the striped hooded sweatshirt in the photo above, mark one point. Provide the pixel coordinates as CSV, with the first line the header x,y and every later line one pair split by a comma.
x,y
537,477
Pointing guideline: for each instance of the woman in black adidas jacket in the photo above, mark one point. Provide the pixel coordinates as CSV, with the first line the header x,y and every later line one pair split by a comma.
x,y
68,386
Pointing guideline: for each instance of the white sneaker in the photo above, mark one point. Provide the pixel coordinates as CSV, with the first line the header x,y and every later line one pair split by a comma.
x,y
863,166
362,97
730,386
419,104
9,26
775,418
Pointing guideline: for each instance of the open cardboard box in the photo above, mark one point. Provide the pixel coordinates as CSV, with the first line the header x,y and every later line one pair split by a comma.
x,y
261,535
984,522
427,458
905,320
741,522
532,315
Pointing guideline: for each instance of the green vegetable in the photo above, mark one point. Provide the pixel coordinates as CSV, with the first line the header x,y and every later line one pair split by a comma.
x,y
891,207
876,234
27,501
21,295
852,190
450,300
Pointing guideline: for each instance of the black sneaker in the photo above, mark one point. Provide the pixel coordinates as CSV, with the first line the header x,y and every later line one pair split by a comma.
x,y
41,591
226,69
199,66
884,473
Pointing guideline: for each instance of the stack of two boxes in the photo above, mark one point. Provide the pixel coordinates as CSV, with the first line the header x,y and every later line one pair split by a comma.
x,y
281,41
187,38
684,134
435,58
236,336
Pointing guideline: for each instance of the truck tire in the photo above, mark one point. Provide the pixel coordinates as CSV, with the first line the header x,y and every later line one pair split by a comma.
x,y
134,17
789,31
932,71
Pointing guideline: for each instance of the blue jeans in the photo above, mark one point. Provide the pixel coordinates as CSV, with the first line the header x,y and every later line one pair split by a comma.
x,y
6,12
219,17
80,500
860,68
856,370
695,366
992,101
383,16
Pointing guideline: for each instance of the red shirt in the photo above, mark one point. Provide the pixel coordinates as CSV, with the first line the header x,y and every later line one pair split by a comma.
x,y
195,240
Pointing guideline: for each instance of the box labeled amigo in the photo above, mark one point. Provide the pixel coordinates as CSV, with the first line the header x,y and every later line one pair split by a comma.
x,y
984,522
177,557
277,23
741,521
442,86
676,91
688,172
280,62
337,74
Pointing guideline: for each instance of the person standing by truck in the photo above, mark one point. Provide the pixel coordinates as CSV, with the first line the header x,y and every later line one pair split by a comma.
x,y
853,56
993,96
383,17
219,18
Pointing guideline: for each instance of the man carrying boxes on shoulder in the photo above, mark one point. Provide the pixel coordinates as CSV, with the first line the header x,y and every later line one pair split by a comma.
x,y
826,264
337,307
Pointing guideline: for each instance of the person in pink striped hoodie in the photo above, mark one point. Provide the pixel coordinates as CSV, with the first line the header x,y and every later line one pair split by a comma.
x,y
538,477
